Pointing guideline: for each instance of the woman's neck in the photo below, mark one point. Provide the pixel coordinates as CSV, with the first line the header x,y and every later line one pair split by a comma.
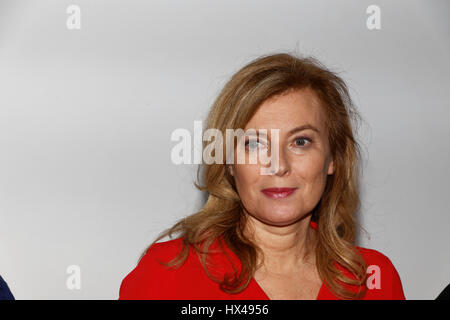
x,y
285,248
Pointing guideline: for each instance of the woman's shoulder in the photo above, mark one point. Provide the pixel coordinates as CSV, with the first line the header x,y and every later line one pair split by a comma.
x,y
165,249
374,256
151,278
160,251
382,275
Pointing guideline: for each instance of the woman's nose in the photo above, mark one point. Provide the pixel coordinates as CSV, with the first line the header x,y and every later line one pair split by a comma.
x,y
283,163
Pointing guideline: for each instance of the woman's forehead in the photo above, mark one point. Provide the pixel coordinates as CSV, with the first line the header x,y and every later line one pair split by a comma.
x,y
286,112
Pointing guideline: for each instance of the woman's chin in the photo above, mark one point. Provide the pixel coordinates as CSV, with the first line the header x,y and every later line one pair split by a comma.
x,y
281,219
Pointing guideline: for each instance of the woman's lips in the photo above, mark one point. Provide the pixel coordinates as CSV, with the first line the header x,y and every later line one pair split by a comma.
x,y
277,193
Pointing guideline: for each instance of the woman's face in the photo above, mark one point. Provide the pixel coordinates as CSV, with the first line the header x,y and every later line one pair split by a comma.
x,y
304,159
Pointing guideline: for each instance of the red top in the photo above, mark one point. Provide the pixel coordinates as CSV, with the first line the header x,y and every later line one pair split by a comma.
x,y
152,281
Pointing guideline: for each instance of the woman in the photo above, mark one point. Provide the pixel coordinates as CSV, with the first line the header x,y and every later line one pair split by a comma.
x,y
288,234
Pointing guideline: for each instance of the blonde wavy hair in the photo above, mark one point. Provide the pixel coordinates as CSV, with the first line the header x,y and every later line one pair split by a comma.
x,y
222,214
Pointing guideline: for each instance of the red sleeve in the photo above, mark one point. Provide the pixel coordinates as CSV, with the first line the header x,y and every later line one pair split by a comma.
x,y
149,280
397,288
391,286
393,283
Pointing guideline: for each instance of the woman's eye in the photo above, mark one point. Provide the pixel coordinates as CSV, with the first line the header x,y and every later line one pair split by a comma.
x,y
300,141
253,144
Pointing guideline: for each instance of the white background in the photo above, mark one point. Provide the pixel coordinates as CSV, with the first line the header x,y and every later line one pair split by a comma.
x,y
86,117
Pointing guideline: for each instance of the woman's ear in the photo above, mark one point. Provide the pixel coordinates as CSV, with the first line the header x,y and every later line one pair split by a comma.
x,y
331,167
230,170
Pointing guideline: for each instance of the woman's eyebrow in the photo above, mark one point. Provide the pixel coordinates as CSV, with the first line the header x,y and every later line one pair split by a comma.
x,y
292,131
303,127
